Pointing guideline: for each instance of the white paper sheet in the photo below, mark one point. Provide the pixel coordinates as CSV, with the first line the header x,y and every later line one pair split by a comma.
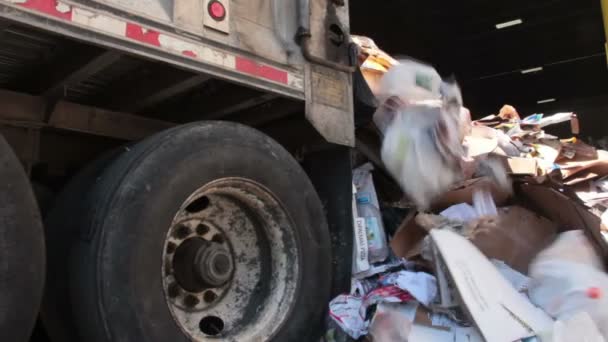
x,y
499,311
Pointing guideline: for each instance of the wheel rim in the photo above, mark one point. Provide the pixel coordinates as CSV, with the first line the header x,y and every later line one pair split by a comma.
x,y
230,262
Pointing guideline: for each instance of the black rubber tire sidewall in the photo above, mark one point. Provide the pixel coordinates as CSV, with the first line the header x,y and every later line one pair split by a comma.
x,y
117,275
63,225
22,261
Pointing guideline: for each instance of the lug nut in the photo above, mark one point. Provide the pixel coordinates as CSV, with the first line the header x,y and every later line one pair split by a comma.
x,y
202,229
209,296
168,267
171,247
181,232
217,238
173,290
191,301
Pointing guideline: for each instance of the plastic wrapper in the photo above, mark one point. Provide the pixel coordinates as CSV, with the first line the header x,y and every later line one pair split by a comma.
x,y
422,286
385,294
376,237
567,278
483,205
555,119
345,312
494,169
462,212
360,251
349,312
368,209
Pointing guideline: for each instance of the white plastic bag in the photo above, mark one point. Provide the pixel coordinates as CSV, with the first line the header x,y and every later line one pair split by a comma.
x,y
410,81
577,328
422,151
423,130
567,279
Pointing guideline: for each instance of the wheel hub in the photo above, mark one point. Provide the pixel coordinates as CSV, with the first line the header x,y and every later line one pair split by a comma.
x,y
230,263
213,264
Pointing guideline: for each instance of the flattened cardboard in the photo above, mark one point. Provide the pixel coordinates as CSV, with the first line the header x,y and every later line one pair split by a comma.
x,y
463,193
581,177
516,236
522,166
407,239
567,211
500,312
572,167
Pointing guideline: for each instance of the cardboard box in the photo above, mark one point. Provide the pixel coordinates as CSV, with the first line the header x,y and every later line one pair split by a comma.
x,y
522,166
516,236
407,239
567,210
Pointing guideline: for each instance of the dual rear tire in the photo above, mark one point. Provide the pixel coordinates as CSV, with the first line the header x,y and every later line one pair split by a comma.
x,y
204,231
22,260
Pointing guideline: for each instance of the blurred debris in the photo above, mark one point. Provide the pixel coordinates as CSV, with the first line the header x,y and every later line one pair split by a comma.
x,y
503,226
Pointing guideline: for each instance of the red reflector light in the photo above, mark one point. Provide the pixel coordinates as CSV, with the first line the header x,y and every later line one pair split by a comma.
x,y
217,10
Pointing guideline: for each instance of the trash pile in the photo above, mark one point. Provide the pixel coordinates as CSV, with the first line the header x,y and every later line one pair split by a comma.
x,y
505,232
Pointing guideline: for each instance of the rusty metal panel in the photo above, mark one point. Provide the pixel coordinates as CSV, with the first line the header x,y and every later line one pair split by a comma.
x,y
329,96
329,104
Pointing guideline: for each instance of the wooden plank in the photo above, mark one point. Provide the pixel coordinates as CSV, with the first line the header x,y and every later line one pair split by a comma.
x,y
21,107
102,122
22,110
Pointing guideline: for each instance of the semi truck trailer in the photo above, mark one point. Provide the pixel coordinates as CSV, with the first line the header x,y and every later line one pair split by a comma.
x,y
174,170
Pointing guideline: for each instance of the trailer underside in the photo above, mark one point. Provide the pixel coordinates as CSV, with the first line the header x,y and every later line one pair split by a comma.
x,y
52,86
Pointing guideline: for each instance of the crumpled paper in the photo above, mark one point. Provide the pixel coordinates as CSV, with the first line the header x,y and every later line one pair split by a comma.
x,y
349,311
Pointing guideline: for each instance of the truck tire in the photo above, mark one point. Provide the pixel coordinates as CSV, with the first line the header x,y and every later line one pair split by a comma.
x,y
21,250
62,224
205,231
